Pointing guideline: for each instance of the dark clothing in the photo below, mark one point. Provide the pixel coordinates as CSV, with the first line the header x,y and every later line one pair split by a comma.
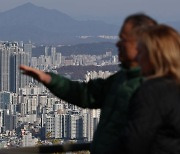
x,y
111,95
154,119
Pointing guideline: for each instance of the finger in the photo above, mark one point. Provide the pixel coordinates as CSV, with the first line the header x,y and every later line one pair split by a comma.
x,y
28,69
24,67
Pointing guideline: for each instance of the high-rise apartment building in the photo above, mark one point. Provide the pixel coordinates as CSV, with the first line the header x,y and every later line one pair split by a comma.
x,y
4,69
11,56
28,49
22,59
53,55
46,51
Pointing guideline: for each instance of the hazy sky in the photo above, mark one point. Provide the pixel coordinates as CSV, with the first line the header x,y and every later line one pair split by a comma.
x,y
111,11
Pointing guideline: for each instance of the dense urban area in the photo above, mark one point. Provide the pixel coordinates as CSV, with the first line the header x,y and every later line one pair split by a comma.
x,y
29,114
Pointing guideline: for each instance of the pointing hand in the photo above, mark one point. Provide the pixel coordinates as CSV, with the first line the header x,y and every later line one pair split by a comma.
x,y
36,74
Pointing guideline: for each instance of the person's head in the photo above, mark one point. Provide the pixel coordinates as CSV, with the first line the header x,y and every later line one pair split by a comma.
x,y
159,52
127,42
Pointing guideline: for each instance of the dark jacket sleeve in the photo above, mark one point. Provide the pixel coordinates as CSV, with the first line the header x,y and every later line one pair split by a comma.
x,y
86,95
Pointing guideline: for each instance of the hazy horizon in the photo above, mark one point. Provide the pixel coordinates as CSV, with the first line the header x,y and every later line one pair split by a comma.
x,y
113,11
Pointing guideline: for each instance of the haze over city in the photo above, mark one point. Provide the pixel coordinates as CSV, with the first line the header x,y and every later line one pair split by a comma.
x,y
112,11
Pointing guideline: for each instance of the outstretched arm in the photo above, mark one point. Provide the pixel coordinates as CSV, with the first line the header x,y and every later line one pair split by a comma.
x,y
86,95
36,74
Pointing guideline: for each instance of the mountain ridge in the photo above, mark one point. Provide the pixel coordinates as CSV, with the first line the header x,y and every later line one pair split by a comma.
x,y
54,26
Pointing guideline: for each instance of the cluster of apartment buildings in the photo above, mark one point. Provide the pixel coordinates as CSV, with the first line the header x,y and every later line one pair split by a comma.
x,y
29,113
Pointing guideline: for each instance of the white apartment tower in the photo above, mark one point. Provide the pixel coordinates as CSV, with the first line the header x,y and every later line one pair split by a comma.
x,y
28,49
53,55
46,51
57,125
11,56
4,69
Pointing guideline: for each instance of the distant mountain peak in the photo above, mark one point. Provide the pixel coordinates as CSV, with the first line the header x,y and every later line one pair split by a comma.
x,y
28,5
30,8
40,24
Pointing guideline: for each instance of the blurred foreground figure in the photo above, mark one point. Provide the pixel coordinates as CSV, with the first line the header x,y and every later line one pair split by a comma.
x,y
111,95
154,110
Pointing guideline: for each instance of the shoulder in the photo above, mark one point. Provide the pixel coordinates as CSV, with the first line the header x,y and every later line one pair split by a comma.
x,y
158,90
115,76
159,83
159,94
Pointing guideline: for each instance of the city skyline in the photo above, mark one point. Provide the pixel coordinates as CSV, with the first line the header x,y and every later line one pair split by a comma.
x,y
29,113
